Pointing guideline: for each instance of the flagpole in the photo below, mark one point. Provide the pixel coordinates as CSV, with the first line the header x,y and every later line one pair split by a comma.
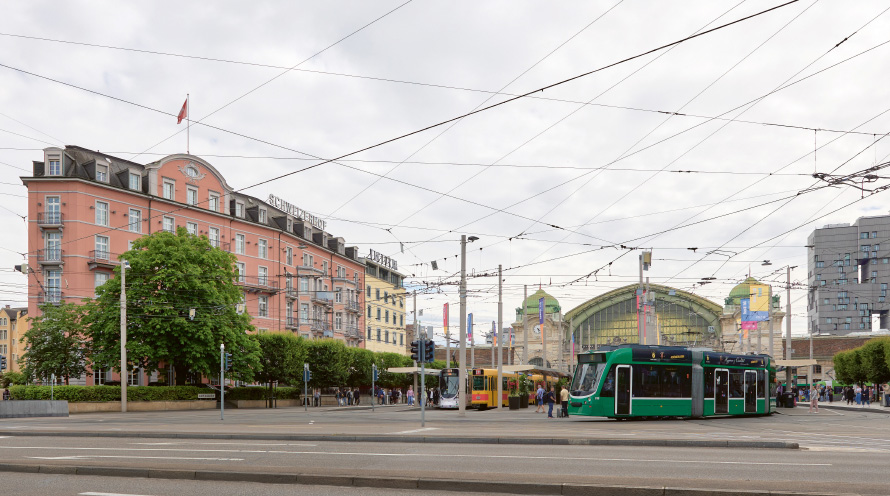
x,y
188,124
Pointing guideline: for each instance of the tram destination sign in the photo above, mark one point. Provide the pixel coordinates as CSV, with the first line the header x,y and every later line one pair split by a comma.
x,y
668,355
736,360
296,211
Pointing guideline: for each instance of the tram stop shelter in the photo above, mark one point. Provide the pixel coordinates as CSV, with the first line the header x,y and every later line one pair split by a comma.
x,y
791,364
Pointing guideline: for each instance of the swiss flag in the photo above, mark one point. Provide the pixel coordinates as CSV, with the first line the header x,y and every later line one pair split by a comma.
x,y
184,113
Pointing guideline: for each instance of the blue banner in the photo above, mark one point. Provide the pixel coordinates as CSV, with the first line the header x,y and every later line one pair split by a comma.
x,y
541,311
470,327
750,316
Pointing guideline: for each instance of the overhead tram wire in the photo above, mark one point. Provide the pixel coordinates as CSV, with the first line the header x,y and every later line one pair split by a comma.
x,y
558,121
688,150
692,128
436,137
281,74
379,144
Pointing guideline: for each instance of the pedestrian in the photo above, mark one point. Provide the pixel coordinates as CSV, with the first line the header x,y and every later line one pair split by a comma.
x,y
411,395
380,396
356,397
539,399
849,395
317,397
6,394
549,397
564,400
435,397
858,393
349,397
814,399
830,394
866,396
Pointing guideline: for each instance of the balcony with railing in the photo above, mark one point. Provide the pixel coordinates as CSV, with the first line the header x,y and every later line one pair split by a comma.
x,y
49,219
323,297
320,325
103,259
353,332
53,296
257,284
291,323
352,306
50,256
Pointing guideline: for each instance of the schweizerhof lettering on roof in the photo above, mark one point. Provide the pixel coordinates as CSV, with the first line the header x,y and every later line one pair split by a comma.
x,y
296,211
383,260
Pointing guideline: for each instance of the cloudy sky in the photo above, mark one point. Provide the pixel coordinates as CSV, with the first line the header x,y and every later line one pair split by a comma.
x,y
552,184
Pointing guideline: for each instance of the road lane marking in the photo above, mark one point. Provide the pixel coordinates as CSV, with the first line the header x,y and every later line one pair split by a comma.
x,y
108,494
432,455
225,444
416,430
87,457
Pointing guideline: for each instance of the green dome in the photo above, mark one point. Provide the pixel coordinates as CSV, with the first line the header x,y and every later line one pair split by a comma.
x,y
741,291
531,304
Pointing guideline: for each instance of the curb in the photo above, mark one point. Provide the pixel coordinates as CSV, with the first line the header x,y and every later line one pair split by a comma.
x,y
679,443
461,485
885,411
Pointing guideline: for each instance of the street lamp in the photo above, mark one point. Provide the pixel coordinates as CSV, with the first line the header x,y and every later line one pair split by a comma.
x,y
124,376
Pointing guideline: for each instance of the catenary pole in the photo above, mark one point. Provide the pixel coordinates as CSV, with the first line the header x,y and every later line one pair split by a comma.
x,y
788,330
462,358
499,336
769,309
124,375
416,336
524,325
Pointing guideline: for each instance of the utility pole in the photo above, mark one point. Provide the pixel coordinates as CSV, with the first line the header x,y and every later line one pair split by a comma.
x,y
788,330
542,306
462,359
125,377
641,337
417,336
222,380
524,325
571,363
447,338
499,337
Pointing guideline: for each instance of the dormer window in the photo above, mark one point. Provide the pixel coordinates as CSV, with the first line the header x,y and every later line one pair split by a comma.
x,y
102,173
239,210
213,202
55,166
262,216
135,182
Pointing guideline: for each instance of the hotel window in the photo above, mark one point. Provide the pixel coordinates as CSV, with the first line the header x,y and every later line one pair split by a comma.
x,y
102,248
324,267
53,210
101,213
307,260
369,333
386,297
191,196
135,182
290,256
239,210
378,334
377,293
192,228
304,284
341,272
304,312
402,320
55,167
213,201
289,312
338,321
99,377
135,220
401,339
263,275
263,306
368,291
262,248
262,216
213,235
102,173
241,271
53,246
378,314
369,311
386,316
169,189
101,278
53,286
169,225
239,244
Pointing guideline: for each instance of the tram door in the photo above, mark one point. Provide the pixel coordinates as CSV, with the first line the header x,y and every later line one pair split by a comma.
x,y
721,391
750,391
622,390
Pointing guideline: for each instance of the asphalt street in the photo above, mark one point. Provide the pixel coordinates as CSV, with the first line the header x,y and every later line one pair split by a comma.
x,y
841,451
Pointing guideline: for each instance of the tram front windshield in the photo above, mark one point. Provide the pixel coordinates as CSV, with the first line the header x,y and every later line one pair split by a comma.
x,y
448,385
587,376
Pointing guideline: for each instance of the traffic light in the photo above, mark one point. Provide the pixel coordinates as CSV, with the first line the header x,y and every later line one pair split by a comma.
x,y
429,351
376,375
2,362
415,352
228,363
307,374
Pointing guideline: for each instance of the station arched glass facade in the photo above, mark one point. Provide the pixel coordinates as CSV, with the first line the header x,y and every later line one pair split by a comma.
x,y
675,317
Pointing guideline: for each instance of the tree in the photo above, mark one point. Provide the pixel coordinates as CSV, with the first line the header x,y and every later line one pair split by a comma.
x,y
12,378
327,358
56,343
874,360
170,276
358,369
281,359
848,367
386,360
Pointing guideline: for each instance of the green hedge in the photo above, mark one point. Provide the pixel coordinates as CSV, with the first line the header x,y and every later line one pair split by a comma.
x,y
75,394
259,393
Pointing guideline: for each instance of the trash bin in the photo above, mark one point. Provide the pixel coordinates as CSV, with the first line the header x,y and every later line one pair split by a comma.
x,y
789,400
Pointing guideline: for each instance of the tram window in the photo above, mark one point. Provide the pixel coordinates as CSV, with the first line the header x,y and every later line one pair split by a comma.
x,y
760,392
736,383
609,384
772,383
676,382
587,377
478,382
709,383
646,382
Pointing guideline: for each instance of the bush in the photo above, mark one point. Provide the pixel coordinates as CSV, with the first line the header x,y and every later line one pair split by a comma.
x,y
76,394
12,378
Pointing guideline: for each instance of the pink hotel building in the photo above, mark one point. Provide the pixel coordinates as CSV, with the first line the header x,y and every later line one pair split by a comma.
x,y
85,208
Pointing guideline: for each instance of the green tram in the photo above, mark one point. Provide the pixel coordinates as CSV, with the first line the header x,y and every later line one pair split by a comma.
x,y
661,381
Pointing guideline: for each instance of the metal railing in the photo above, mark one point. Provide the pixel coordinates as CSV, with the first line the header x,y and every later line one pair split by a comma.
x,y
54,296
51,218
257,282
50,255
320,325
